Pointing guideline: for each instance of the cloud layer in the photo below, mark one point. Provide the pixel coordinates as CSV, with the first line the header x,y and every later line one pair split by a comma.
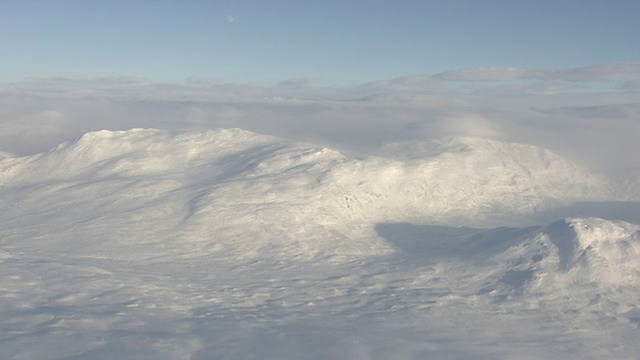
x,y
607,72
589,114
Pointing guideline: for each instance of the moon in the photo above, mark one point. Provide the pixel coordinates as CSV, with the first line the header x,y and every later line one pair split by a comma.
x,y
230,18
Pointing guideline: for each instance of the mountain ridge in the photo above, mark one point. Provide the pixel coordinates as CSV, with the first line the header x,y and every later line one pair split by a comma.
x,y
471,175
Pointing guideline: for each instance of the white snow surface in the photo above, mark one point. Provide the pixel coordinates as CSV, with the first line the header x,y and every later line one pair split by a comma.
x,y
225,244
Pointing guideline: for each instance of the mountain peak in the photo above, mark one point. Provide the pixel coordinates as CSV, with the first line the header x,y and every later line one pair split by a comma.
x,y
596,248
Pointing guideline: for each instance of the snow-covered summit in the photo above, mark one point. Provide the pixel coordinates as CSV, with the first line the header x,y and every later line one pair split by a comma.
x,y
593,249
497,177
466,179
570,256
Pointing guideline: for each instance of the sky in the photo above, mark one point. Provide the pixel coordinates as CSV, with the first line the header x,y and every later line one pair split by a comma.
x,y
358,76
338,42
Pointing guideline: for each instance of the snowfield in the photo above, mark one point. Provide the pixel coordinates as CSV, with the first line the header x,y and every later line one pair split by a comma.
x,y
225,244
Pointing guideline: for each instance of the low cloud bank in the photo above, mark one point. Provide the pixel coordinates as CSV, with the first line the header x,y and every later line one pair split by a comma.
x,y
607,72
589,114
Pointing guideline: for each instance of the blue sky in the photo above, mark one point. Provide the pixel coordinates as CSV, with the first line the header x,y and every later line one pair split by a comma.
x,y
340,42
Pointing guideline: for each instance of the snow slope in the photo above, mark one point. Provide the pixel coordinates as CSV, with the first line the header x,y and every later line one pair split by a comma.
x,y
231,245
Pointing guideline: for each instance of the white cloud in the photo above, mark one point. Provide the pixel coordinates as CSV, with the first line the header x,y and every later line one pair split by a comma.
x,y
64,82
469,125
566,116
301,82
485,74
606,72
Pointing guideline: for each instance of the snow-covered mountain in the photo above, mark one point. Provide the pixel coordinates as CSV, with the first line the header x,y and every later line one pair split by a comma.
x,y
217,244
463,176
